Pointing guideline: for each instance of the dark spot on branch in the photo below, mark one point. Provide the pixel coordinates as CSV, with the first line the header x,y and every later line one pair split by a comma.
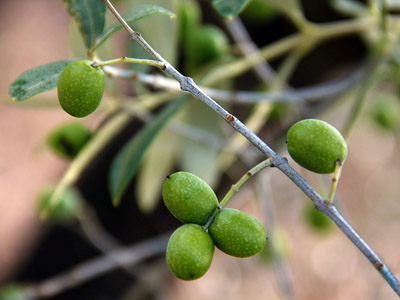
x,y
230,118
135,76
164,67
379,265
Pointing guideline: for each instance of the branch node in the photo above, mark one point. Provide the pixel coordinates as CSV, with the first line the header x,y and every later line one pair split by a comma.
x,y
187,83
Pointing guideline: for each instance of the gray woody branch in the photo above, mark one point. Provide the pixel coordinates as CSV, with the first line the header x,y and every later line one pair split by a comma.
x,y
188,85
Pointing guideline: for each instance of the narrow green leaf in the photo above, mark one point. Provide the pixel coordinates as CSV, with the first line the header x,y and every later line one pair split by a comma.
x,y
134,14
37,80
126,163
157,164
230,8
90,17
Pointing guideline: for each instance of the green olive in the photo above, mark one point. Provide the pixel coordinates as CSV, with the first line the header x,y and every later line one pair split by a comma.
x,y
12,291
189,198
259,12
317,220
67,139
205,43
237,233
61,212
80,88
386,115
316,145
190,252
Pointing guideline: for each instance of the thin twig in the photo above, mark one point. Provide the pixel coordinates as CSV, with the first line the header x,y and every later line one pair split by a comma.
x,y
308,94
188,85
99,237
96,267
263,192
247,47
236,186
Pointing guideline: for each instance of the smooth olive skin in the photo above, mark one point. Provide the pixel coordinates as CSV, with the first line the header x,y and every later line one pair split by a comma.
x,y
67,139
316,145
189,198
190,252
80,88
237,233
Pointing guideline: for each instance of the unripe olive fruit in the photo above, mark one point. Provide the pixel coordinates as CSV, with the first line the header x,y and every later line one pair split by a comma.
x,y
12,291
80,88
67,139
205,43
259,12
316,145
317,220
386,115
190,252
237,233
189,198
64,210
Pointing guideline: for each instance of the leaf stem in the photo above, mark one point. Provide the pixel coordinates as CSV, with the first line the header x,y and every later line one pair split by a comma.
x,y
335,181
235,188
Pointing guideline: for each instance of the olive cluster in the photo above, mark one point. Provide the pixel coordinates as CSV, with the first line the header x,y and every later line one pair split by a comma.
x,y
190,249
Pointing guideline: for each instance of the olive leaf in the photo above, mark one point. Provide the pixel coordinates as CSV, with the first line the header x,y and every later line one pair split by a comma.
x,y
38,80
289,7
199,156
136,13
158,163
230,8
90,17
127,161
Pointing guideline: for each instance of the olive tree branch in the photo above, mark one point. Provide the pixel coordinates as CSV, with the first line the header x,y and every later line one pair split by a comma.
x,y
188,85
